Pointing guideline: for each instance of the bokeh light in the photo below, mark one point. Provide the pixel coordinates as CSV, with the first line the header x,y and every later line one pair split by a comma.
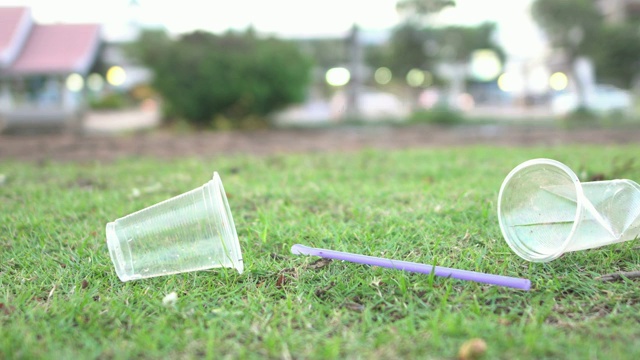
x,y
429,98
95,82
74,82
116,76
415,77
485,65
428,79
510,82
338,76
558,81
149,105
504,82
466,102
538,80
382,75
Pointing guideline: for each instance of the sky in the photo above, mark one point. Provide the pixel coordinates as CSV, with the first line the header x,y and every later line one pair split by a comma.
x,y
286,18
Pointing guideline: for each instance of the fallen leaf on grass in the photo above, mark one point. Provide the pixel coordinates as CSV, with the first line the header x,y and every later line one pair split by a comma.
x,y
472,349
597,177
282,280
319,264
354,306
285,276
6,309
619,276
275,256
623,250
323,290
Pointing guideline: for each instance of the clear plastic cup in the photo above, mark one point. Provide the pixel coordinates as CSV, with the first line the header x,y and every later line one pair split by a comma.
x,y
544,211
192,231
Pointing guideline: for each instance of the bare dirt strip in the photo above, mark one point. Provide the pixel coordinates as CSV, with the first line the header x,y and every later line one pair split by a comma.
x,y
163,144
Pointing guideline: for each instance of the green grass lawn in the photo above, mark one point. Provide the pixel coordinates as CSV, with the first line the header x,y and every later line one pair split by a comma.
x,y
60,297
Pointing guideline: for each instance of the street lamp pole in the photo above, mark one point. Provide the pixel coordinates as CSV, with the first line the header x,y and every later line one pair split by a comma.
x,y
354,86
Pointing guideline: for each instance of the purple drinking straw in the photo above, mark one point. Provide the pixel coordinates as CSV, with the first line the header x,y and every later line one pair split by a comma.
x,y
500,280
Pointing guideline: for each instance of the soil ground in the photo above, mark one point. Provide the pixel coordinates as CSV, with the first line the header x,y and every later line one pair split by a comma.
x,y
163,144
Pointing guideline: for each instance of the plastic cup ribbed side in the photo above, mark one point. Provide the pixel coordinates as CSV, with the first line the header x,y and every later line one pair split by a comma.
x,y
192,231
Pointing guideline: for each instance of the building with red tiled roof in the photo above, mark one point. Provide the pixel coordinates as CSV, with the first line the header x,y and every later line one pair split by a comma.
x,y
15,24
43,67
57,49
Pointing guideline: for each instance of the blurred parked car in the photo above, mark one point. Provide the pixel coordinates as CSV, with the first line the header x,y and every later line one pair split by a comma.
x,y
372,105
375,105
603,99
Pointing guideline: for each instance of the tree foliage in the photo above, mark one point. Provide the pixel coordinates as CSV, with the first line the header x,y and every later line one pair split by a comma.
x,y
326,53
617,57
418,10
571,25
236,75
408,47
578,28
457,43
405,50
412,46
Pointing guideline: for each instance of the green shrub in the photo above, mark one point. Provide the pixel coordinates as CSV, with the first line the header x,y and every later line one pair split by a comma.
x,y
580,117
439,115
111,101
582,114
237,76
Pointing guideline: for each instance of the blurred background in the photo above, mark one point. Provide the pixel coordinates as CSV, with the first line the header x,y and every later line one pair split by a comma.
x,y
132,65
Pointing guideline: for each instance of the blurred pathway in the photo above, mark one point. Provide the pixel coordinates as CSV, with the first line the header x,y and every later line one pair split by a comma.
x,y
121,121
163,144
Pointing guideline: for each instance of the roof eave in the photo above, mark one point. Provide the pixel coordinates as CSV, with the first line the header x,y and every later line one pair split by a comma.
x,y
16,45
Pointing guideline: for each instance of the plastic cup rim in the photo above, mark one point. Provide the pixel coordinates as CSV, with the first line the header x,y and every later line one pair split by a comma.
x,y
235,242
579,199
116,254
